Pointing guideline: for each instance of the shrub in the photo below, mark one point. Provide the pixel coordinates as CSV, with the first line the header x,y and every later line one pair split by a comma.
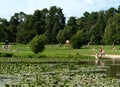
x,y
37,44
77,40
2,54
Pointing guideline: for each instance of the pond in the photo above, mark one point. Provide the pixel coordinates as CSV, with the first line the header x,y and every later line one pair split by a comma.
x,y
7,79
57,75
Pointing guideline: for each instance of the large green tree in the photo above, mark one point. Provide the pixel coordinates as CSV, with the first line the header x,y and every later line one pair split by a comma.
x,y
97,30
4,33
110,12
39,21
70,28
15,20
60,37
112,31
86,22
55,22
25,30
98,27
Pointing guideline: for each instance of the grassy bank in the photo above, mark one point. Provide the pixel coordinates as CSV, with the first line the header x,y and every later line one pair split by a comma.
x,y
57,51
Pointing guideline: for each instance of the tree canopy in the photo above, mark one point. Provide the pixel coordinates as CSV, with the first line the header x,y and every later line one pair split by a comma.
x,y
100,27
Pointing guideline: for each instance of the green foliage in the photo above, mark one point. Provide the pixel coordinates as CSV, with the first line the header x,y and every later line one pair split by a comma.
x,y
112,31
77,40
4,33
37,44
99,27
97,30
70,29
95,35
25,31
6,54
55,22
15,20
60,37
58,52
55,75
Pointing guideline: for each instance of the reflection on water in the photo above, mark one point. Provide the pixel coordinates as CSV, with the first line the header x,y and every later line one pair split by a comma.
x,y
114,70
7,79
113,66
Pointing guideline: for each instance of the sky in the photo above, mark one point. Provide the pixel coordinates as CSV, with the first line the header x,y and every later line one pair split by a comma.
x,y
70,7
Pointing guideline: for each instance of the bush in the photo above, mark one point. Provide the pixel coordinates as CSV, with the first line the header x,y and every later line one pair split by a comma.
x,y
2,54
77,40
37,44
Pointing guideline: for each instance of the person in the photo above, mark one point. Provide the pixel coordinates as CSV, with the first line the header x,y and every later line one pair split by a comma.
x,y
5,47
97,60
102,52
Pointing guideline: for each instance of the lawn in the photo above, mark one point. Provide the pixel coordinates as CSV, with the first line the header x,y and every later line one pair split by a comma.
x,y
59,51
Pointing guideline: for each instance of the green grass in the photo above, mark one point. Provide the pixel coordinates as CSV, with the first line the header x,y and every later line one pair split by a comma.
x,y
56,51
64,52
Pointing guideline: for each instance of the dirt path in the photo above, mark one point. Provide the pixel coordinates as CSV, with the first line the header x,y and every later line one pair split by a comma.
x,y
112,56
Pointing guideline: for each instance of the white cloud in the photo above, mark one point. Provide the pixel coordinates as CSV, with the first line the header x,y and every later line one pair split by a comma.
x,y
70,7
113,0
90,2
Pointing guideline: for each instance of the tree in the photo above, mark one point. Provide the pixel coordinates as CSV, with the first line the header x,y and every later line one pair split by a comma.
x,y
37,44
110,12
39,21
95,35
77,40
55,22
118,9
86,22
112,31
25,30
15,20
55,31
70,29
97,30
96,26
4,32
60,37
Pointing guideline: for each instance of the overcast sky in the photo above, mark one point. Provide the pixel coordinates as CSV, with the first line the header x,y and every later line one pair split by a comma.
x,y
70,7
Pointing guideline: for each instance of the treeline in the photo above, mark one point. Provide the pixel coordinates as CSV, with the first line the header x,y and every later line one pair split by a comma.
x,y
102,27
